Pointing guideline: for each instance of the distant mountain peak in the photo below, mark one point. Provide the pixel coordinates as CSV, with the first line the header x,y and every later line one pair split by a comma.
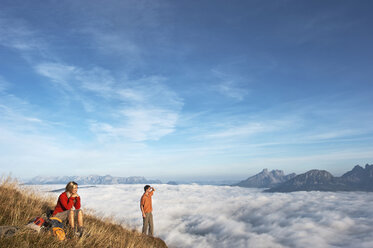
x,y
358,167
318,174
265,179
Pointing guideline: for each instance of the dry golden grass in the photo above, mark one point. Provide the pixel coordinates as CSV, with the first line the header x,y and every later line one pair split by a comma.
x,y
19,206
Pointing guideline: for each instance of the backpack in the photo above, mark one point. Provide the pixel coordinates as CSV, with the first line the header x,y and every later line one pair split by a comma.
x,y
57,228
36,224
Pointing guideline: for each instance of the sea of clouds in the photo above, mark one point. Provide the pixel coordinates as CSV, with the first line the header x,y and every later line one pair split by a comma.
x,y
195,216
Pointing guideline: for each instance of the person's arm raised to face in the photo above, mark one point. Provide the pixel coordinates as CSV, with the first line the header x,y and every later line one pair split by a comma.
x,y
67,203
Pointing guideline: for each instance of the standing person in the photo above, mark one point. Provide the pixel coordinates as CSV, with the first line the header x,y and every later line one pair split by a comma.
x,y
68,207
146,210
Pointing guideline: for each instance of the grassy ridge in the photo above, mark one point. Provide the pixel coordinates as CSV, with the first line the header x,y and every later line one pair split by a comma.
x,y
19,206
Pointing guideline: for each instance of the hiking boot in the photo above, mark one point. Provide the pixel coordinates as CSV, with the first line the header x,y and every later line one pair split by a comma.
x,y
71,233
80,231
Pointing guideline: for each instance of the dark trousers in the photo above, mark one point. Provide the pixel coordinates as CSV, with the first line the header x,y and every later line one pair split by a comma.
x,y
148,224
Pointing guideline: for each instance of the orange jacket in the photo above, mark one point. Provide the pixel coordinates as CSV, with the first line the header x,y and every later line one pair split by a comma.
x,y
146,202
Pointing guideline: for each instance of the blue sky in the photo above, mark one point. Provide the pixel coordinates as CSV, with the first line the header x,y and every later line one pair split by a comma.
x,y
185,89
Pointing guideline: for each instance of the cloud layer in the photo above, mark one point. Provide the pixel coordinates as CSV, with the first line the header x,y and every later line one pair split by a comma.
x,y
212,216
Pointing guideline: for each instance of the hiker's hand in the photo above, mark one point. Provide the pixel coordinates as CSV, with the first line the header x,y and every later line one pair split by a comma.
x,y
143,215
75,195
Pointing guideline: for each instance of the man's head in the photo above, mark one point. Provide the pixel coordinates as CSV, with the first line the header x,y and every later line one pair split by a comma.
x,y
72,187
146,187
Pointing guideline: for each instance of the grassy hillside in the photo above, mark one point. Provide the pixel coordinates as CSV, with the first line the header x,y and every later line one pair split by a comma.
x,y
19,206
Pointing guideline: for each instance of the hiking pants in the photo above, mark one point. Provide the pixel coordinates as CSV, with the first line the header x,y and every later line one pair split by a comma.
x,y
64,216
148,223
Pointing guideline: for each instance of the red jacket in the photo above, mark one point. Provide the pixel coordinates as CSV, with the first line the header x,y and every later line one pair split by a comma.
x,y
65,203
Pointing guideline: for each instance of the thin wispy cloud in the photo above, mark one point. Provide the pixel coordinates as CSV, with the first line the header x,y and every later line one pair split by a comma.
x,y
336,134
18,114
322,27
3,84
139,125
15,34
113,43
228,86
58,73
229,89
145,108
20,36
243,131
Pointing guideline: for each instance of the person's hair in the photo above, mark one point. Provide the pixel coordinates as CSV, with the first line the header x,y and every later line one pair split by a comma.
x,y
70,186
146,187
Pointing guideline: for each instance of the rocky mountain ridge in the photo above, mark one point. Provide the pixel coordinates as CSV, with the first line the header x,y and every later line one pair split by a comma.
x,y
92,179
265,179
358,179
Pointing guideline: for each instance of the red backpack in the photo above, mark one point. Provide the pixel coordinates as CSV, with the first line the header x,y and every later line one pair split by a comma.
x,y
36,224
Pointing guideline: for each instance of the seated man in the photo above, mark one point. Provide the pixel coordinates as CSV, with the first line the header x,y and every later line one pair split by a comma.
x,y
68,207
